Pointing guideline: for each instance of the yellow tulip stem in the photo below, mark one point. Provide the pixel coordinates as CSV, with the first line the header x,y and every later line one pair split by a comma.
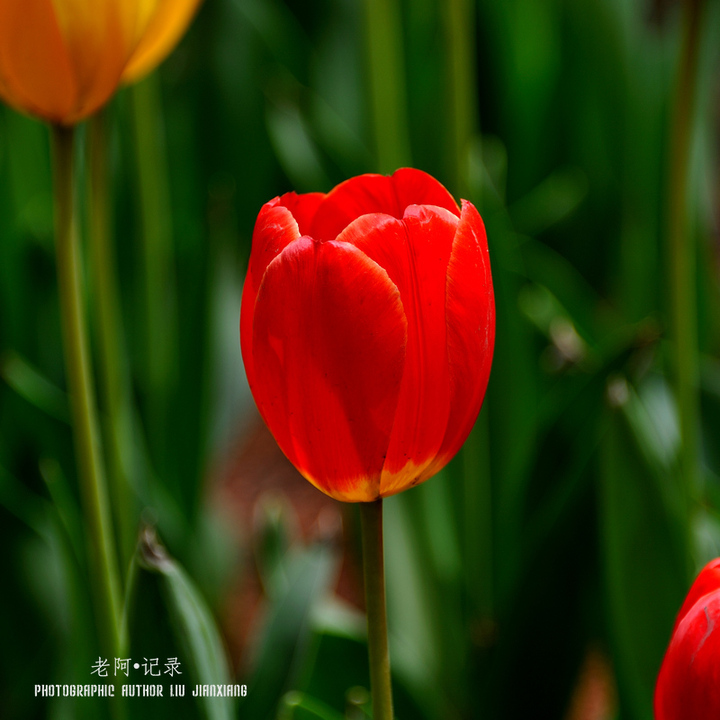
x,y
80,387
682,256
108,326
374,573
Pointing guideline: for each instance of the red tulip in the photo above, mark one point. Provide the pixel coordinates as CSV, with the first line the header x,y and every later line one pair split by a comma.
x,y
367,330
688,686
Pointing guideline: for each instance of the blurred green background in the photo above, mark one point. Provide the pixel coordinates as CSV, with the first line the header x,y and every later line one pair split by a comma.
x,y
540,573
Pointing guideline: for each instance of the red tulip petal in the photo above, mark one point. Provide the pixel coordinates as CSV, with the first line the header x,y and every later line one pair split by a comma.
x,y
470,312
707,581
415,187
275,229
351,199
688,685
328,348
378,194
415,252
303,208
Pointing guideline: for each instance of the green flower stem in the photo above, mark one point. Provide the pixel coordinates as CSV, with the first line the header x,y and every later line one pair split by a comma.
x,y
158,257
459,20
374,573
386,70
683,286
80,387
109,331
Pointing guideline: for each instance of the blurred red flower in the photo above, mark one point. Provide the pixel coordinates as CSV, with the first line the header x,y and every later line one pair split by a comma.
x,y
688,686
367,330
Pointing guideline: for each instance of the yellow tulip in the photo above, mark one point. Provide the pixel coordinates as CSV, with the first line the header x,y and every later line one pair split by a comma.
x,y
61,60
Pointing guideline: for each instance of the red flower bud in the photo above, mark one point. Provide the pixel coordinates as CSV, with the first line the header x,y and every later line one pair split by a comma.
x,y
688,686
367,330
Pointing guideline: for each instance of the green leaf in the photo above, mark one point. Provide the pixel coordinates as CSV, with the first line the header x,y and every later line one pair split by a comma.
x,y
274,534
645,551
297,706
29,383
337,673
64,504
284,637
21,502
193,629
415,644
549,202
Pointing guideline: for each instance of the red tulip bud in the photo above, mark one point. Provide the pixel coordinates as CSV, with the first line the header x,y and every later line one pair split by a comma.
x,y
367,330
688,686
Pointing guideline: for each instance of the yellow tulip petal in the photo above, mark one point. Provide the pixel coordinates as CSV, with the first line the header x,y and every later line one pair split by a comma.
x,y
7,94
35,71
164,30
99,36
